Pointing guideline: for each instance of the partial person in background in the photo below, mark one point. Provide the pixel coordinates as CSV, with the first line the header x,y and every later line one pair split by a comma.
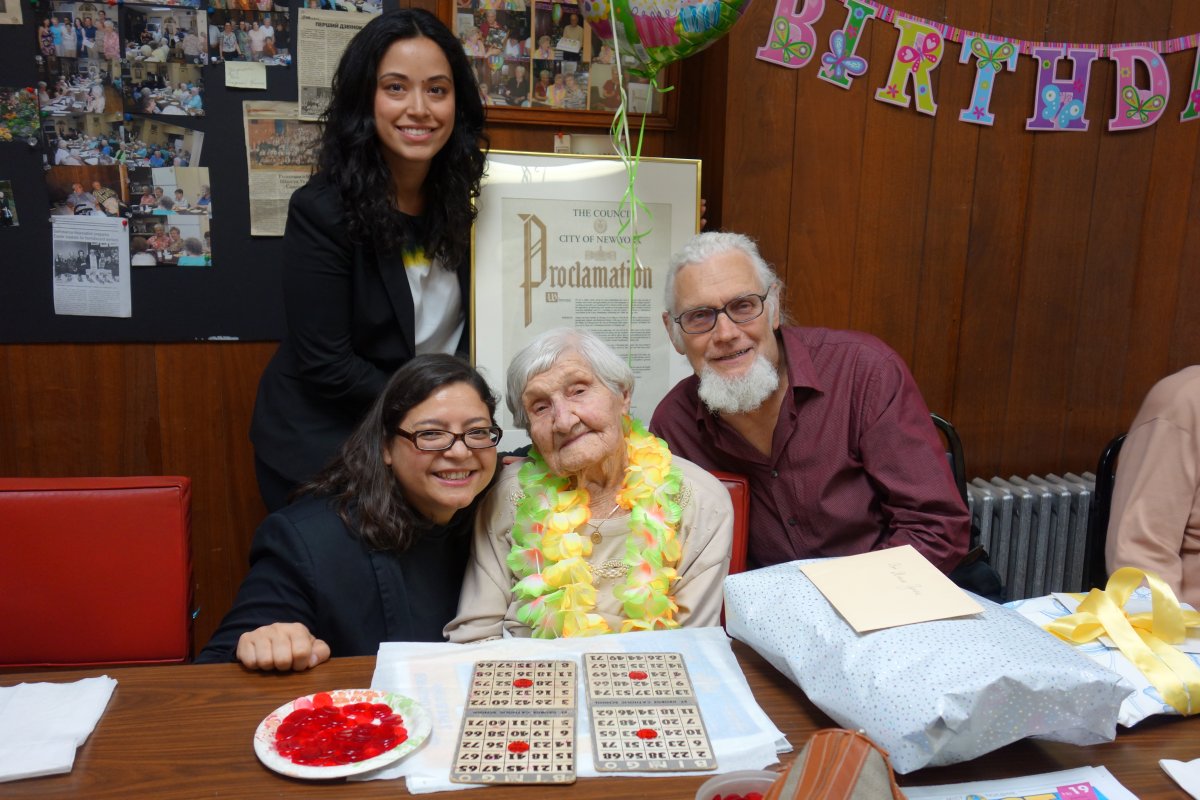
x,y
1154,521
374,548
193,256
139,253
376,248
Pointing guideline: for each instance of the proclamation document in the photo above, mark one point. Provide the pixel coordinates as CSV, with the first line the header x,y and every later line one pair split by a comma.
x,y
90,266
321,39
281,152
553,249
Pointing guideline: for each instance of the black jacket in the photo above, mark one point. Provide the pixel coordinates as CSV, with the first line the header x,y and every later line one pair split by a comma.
x,y
351,324
306,566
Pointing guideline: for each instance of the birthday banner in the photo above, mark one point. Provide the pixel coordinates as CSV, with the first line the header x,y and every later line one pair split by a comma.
x,y
1059,103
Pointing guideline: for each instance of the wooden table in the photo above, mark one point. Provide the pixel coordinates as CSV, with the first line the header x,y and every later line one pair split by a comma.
x,y
186,731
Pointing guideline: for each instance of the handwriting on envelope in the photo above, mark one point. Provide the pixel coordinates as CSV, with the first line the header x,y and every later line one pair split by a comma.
x,y
888,588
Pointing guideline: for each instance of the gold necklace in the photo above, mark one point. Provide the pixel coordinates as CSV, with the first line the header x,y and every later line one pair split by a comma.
x,y
595,526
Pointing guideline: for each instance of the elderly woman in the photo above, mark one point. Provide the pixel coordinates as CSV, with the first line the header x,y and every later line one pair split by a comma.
x,y
602,530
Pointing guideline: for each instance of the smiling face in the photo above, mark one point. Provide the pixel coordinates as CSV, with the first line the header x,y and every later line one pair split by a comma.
x,y
729,349
414,103
439,483
574,418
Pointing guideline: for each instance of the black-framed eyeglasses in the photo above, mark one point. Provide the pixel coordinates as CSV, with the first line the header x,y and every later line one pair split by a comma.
x,y
739,310
435,440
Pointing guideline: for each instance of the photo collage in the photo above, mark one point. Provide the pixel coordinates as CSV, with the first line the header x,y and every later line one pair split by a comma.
x,y
537,54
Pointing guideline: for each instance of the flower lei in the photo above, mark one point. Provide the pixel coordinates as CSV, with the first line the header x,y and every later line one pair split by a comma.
x,y
556,597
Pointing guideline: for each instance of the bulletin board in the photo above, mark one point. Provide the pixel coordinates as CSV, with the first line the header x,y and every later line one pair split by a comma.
x,y
238,298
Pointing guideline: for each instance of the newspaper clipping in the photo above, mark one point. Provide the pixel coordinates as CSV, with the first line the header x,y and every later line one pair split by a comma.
x,y
323,36
281,151
91,266
566,264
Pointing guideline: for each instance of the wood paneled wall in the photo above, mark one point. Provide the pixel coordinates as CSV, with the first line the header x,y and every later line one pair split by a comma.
x,y
1037,284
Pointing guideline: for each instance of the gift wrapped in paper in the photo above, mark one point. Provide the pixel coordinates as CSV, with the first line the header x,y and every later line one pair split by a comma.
x,y
1143,633
932,693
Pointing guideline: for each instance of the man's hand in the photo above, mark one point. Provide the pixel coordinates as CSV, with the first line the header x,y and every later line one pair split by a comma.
x,y
282,646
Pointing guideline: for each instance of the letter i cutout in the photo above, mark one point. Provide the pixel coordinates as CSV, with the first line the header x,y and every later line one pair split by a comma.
x,y
840,65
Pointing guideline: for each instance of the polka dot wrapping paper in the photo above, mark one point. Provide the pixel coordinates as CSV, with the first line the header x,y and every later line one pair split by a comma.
x,y
933,693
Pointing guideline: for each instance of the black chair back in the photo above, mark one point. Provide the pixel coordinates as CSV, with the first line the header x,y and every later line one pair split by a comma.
x,y
1095,572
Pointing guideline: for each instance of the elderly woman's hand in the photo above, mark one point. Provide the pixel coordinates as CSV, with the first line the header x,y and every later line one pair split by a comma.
x,y
282,646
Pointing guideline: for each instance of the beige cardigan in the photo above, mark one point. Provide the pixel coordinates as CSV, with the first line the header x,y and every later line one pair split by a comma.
x,y
487,608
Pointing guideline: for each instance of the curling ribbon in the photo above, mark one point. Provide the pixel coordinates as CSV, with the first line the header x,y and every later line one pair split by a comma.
x,y
1145,639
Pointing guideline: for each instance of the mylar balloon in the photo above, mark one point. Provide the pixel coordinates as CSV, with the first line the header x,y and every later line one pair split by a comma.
x,y
650,34
556,13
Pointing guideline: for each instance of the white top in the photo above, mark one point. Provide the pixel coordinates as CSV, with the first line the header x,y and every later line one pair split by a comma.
x,y
439,317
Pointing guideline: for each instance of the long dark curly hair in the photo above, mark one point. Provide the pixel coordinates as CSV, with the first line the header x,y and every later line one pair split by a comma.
x,y
352,162
363,487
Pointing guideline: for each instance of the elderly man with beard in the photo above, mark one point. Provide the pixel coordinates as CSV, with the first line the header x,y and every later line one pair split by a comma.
x,y
829,426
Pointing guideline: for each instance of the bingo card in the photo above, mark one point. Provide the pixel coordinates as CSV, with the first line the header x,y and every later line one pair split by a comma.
x,y
519,724
644,714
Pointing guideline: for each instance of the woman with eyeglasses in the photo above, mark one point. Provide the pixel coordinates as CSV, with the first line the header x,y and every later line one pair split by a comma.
x,y
375,547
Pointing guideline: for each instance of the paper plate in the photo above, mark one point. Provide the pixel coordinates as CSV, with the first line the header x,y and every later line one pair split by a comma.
x,y
415,720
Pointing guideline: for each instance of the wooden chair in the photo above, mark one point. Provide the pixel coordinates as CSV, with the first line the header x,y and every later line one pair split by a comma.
x,y
95,571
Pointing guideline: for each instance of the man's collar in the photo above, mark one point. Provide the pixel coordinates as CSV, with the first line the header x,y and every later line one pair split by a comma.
x,y
802,374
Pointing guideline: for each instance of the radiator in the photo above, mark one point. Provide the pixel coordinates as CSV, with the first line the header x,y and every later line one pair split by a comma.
x,y
1035,529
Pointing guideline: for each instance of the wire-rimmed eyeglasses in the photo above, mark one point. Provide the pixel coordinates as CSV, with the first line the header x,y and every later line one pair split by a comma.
x,y
435,440
739,310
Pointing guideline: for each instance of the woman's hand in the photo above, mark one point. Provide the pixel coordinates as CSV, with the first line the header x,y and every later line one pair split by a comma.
x,y
282,646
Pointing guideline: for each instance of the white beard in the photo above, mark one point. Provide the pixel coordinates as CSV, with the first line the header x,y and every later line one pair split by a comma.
x,y
741,394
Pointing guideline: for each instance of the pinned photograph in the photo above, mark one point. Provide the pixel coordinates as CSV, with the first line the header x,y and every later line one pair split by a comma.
x,y
170,191
175,240
87,87
163,34
19,119
8,206
256,36
84,33
169,89
151,143
77,191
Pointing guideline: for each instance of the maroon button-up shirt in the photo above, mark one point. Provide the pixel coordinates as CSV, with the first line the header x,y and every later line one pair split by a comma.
x,y
855,464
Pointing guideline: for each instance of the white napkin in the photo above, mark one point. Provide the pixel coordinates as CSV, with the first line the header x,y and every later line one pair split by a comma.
x,y
1185,773
41,724
438,675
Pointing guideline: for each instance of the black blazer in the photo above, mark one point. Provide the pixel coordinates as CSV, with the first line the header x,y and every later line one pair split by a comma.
x,y
306,566
350,321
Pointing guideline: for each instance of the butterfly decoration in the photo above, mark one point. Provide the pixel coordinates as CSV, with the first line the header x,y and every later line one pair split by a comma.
x,y
1195,101
798,50
1060,107
994,57
1141,107
837,63
928,51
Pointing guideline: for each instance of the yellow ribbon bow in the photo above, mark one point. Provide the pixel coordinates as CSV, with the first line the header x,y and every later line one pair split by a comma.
x,y
1145,639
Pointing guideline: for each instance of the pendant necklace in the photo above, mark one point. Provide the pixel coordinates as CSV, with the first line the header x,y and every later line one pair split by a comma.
x,y
595,526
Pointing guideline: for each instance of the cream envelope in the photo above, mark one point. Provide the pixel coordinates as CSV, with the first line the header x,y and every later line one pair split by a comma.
x,y
888,588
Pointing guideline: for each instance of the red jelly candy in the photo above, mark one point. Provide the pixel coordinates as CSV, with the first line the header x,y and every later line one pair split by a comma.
x,y
325,735
522,683
518,747
638,675
647,733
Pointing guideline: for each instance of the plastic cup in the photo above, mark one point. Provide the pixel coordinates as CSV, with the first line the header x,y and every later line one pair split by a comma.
x,y
741,782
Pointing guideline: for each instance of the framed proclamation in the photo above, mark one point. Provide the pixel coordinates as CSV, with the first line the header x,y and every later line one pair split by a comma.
x,y
552,249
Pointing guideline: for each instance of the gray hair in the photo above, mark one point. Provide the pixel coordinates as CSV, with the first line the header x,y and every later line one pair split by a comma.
x,y
547,348
707,245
